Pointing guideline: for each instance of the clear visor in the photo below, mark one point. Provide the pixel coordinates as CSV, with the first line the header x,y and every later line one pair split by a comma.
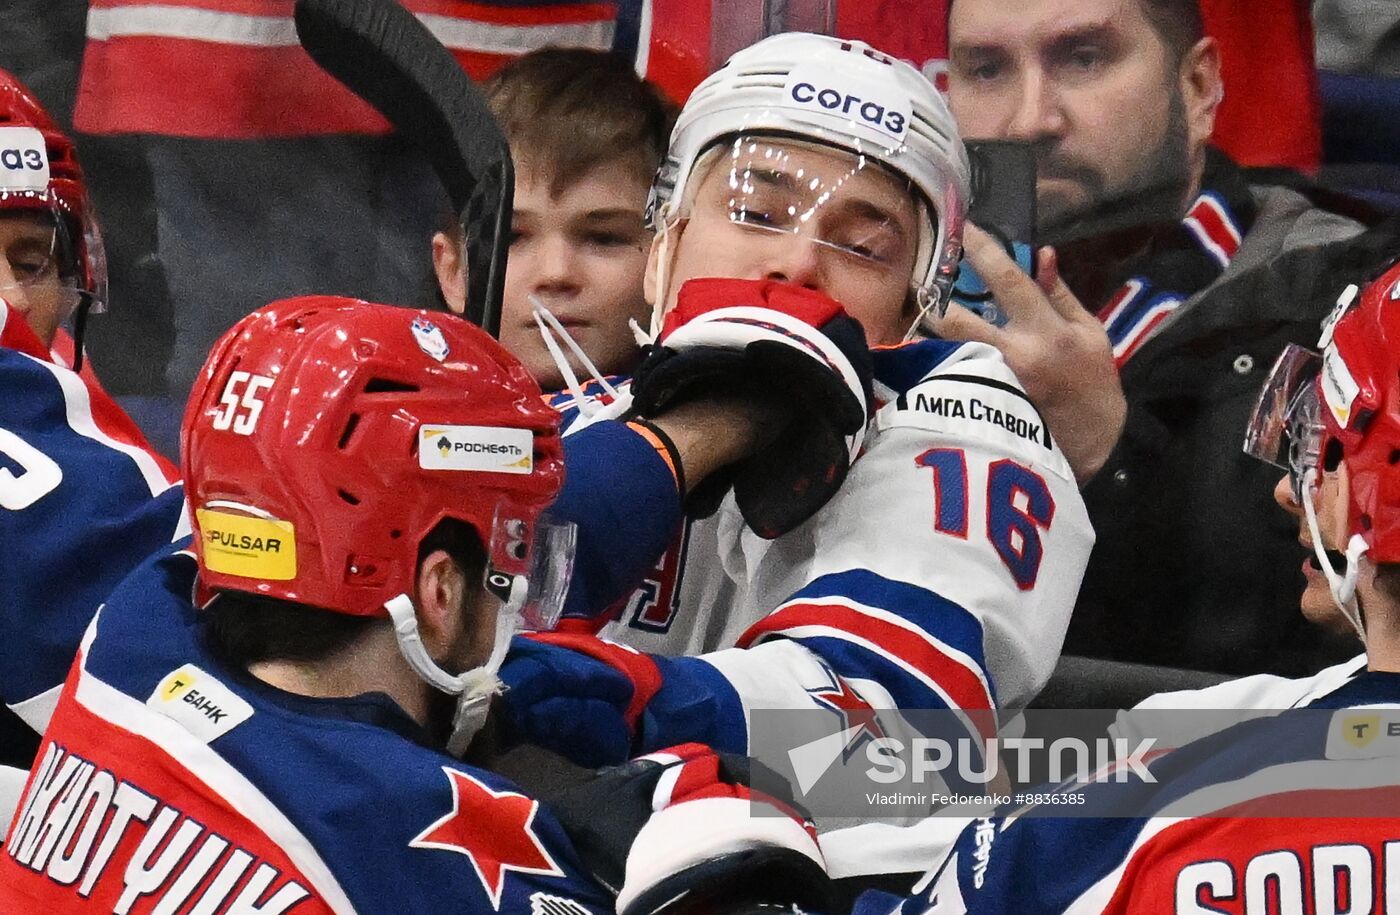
x,y
531,564
856,212
95,251
1286,428
41,267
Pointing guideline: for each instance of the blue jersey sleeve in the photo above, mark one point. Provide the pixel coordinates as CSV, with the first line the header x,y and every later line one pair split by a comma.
x,y
82,503
623,497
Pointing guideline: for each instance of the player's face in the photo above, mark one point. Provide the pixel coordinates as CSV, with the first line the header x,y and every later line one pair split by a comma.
x,y
1330,502
29,274
1094,87
817,217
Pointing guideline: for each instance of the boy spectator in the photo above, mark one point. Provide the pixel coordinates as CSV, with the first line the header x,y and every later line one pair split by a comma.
x,y
587,135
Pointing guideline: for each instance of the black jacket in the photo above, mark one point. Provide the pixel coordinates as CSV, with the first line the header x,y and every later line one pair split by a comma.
x,y
1195,565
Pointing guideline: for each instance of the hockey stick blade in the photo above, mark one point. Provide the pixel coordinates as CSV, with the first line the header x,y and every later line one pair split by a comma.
x,y
382,53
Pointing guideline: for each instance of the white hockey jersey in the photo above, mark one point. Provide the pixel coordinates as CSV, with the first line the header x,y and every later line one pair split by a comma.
x,y
942,575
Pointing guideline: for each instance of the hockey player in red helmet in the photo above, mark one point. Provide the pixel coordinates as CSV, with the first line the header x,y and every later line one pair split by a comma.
x,y
369,487
1332,420
73,466
52,263
404,464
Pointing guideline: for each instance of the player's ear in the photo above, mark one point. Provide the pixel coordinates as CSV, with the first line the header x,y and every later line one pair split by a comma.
x,y
451,272
440,597
653,262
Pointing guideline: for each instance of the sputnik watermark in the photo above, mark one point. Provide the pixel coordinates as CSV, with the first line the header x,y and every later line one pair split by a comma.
x,y
1091,763
1069,759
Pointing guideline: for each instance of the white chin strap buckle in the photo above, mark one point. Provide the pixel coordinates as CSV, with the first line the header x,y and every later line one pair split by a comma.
x,y
473,688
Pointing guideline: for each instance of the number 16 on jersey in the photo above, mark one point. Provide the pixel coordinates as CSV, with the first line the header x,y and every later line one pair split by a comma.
x,y
1019,508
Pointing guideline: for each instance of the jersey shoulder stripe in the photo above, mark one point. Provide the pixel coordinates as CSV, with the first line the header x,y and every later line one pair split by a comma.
x,y
899,368
918,632
87,412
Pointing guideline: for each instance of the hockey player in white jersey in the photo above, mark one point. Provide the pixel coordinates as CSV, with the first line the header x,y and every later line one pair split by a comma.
x,y
1292,813
943,572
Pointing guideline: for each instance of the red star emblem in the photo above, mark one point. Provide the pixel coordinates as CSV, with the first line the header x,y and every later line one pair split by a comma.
x,y
855,712
492,828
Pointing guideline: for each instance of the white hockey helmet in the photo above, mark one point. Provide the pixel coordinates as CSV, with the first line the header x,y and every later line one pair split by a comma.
x,y
840,93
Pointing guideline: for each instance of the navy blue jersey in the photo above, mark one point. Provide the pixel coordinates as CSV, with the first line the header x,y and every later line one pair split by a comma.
x,y
167,782
1289,813
83,499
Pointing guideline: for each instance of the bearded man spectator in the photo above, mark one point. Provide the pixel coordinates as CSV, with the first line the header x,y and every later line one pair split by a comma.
x,y
1198,276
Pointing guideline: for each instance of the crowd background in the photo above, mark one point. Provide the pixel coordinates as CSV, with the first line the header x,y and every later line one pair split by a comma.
x,y
229,171
214,143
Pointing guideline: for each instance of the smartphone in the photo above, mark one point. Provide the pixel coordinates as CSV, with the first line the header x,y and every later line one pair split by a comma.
x,y
1003,205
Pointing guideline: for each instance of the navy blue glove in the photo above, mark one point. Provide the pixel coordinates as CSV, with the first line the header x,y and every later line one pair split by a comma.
x,y
682,831
577,695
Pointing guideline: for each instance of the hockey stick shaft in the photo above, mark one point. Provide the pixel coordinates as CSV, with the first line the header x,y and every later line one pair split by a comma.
x,y
382,53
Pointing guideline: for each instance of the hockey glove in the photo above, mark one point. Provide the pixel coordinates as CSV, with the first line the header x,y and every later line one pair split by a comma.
x,y
772,340
577,695
683,831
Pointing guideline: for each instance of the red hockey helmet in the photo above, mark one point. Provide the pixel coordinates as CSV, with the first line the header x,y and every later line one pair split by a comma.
x,y
326,437
1359,393
1342,405
54,186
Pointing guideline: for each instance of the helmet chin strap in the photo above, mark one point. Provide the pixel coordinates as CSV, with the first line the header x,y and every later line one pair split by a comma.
x,y
1343,587
927,302
549,326
663,269
475,687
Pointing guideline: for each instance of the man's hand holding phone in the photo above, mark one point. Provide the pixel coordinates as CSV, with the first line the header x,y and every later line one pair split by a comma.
x,y
1057,349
